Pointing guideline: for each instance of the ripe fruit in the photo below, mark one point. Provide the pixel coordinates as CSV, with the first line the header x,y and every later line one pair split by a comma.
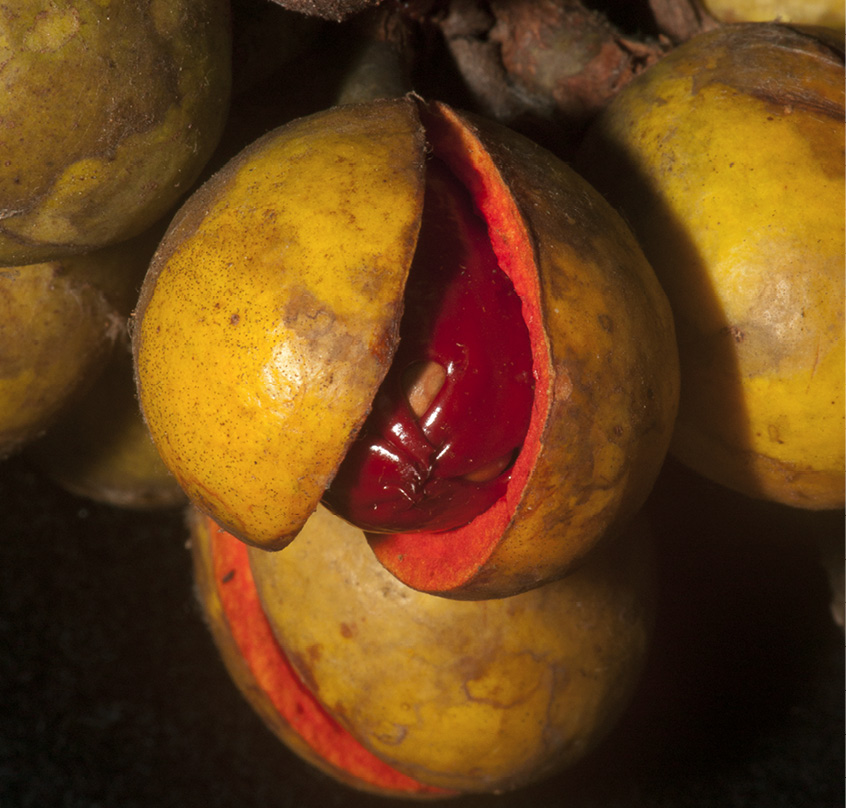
x,y
59,322
727,159
108,111
99,447
391,689
269,320
801,12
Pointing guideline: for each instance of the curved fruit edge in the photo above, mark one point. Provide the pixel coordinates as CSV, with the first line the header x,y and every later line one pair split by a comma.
x,y
257,665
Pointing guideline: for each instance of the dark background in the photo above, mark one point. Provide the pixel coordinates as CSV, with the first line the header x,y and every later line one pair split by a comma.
x,y
112,693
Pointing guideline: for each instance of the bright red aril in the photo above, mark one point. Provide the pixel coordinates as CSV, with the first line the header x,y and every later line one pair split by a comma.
x,y
452,413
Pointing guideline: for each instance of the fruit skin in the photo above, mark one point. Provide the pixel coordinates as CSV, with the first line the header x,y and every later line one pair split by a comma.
x,y
59,323
269,315
800,12
108,111
257,453
748,243
100,448
606,372
229,602
469,696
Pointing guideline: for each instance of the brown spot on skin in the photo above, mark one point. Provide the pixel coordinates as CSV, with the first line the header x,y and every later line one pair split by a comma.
x,y
395,737
323,332
814,104
735,332
348,630
606,322
563,385
314,651
234,319
228,577
384,345
303,670
500,697
307,315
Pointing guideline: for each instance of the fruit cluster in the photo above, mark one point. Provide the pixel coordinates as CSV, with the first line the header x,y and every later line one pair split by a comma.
x,y
406,304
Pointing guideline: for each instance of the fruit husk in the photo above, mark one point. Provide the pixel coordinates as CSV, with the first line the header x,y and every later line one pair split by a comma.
x,y
606,377
59,324
603,347
261,671
100,448
304,241
727,160
829,13
107,115
465,696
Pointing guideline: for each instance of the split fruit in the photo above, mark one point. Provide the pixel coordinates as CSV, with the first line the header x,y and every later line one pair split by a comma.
x,y
424,320
108,112
486,695
727,159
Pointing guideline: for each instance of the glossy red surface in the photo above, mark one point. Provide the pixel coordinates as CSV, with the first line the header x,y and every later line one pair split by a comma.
x,y
440,469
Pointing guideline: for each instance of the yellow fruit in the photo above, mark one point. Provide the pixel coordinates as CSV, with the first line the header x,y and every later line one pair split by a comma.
x,y
108,111
59,322
248,372
803,12
270,316
99,447
456,695
727,159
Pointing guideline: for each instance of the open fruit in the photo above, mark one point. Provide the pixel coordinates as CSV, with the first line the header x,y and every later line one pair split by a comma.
x,y
491,695
430,457
727,159
272,313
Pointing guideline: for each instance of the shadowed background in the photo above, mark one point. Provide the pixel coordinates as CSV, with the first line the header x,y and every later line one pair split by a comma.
x,y
113,695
